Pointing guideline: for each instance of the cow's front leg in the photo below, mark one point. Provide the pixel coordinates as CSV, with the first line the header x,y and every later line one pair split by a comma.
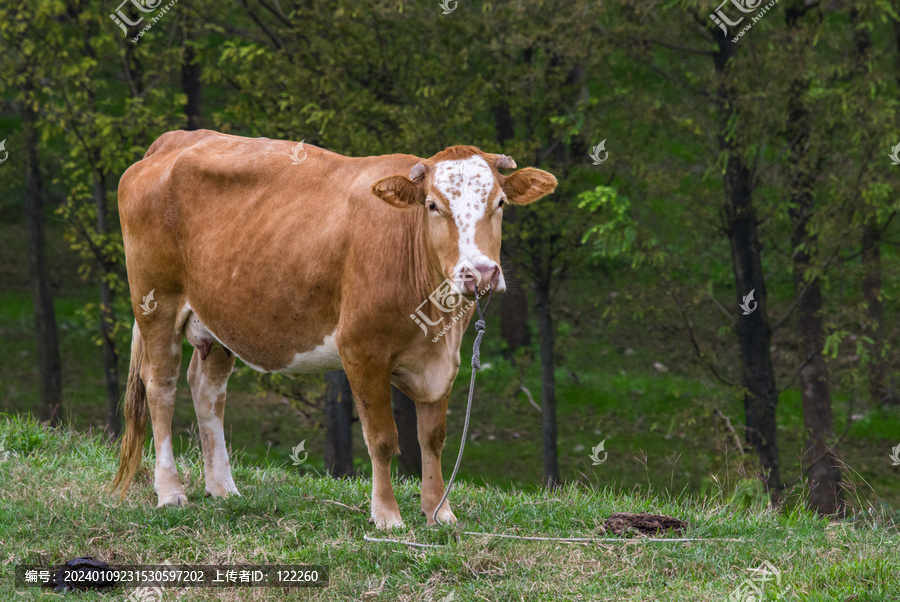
x,y
432,426
372,393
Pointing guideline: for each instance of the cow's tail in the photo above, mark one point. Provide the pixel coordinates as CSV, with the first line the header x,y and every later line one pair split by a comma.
x,y
135,418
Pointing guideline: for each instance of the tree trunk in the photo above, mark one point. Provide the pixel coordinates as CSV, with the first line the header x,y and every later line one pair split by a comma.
x,y
407,430
820,462
754,334
514,312
753,330
871,259
548,382
338,423
107,317
49,371
190,80
514,305
871,253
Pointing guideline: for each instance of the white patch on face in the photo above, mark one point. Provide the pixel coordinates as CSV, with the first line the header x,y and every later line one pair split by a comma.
x,y
467,184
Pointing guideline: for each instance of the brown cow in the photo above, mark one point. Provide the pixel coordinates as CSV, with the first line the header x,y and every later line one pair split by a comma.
x,y
298,268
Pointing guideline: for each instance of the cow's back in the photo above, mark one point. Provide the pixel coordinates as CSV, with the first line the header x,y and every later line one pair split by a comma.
x,y
253,241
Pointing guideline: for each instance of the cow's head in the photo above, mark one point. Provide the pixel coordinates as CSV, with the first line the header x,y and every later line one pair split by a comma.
x,y
462,195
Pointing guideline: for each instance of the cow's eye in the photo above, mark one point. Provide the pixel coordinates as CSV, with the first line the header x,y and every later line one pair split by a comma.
x,y
501,203
432,206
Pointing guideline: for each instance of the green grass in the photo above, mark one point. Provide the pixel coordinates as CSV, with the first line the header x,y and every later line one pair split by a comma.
x,y
52,506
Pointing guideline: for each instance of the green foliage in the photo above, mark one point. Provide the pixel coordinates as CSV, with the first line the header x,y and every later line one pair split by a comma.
x,y
617,233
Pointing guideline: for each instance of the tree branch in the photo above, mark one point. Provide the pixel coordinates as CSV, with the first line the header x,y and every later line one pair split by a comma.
x,y
699,353
730,428
722,307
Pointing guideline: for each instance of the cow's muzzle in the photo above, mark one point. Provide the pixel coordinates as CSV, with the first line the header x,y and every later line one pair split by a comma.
x,y
476,278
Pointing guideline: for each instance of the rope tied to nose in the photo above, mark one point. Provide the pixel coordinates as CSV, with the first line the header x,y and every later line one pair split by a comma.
x,y
476,365
479,328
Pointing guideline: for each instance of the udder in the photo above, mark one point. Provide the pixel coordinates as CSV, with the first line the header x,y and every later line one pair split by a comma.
x,y
199,336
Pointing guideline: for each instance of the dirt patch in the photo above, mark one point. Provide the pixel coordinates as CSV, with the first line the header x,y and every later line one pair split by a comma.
x,y
629,523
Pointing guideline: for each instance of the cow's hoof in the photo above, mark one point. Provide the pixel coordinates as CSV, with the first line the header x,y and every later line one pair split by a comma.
x,y
445,516
176,499
388,522
221,491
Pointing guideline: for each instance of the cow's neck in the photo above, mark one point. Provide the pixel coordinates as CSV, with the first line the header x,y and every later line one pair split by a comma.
x,y
422,275
398,241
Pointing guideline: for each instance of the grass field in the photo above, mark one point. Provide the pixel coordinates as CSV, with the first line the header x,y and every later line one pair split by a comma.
x,y
53,508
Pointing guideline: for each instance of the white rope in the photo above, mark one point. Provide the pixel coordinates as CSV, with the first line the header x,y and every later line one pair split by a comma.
x,y
604,539
561,539
404,542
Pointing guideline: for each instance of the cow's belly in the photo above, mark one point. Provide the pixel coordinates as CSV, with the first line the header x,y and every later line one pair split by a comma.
x,y
321,358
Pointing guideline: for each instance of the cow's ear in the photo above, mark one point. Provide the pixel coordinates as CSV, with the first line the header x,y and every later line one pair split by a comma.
x,y
528,185
399,191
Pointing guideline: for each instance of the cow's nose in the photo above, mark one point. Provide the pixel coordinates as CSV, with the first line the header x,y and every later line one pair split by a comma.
x,y
481,275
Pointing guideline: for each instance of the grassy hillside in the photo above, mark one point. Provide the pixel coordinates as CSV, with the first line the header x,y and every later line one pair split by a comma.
x,y
52,506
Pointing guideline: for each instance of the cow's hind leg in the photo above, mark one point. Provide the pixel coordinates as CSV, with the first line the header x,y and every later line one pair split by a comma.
x,y
208,379
372,393
432,426
160,375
